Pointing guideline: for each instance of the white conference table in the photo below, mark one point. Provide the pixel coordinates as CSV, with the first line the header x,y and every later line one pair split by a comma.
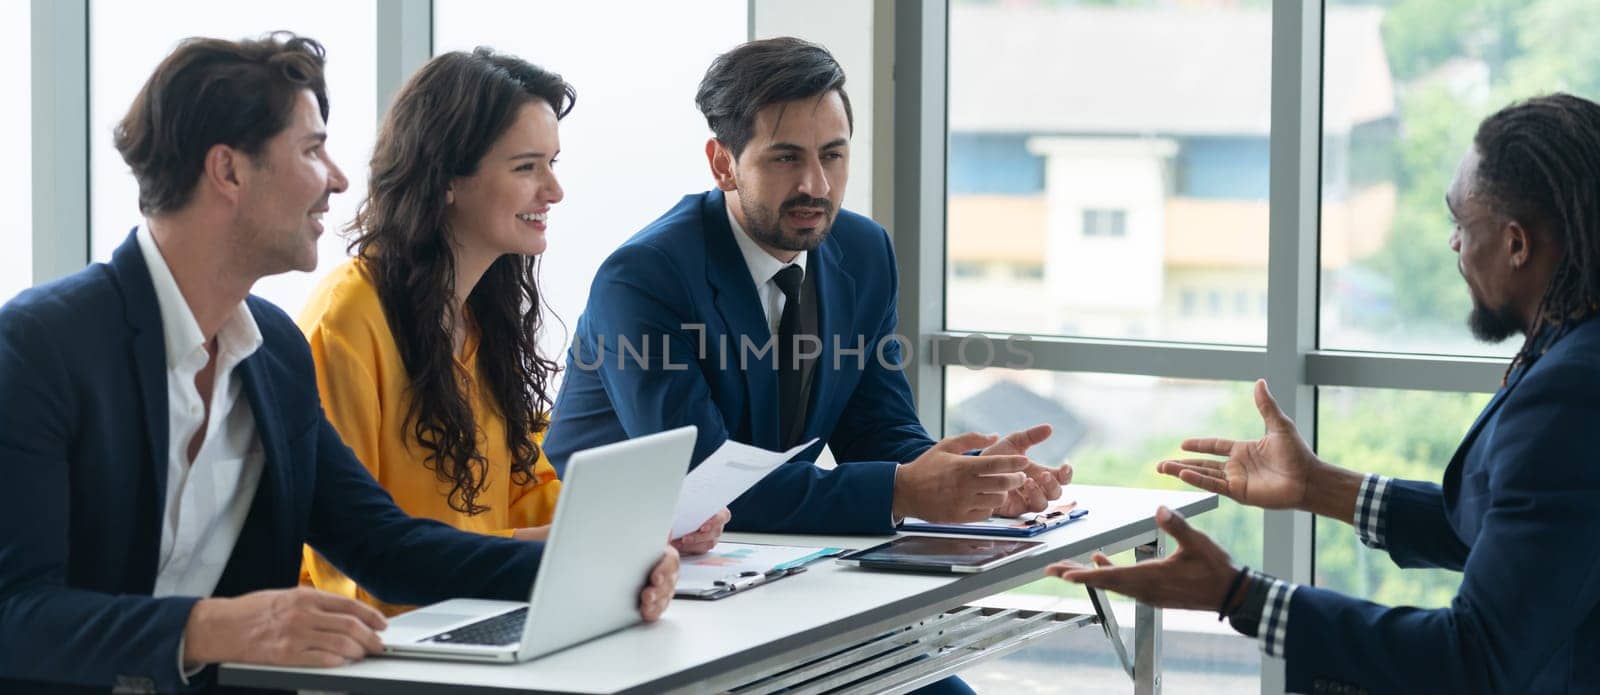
x,y
725,645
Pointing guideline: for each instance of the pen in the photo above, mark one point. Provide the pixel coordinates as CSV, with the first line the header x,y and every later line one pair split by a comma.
x,y
743,581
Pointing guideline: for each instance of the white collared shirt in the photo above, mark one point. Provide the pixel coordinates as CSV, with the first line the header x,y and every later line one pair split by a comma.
x,y
762,269
207,500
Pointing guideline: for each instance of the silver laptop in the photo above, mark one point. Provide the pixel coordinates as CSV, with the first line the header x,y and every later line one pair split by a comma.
x,y
610,528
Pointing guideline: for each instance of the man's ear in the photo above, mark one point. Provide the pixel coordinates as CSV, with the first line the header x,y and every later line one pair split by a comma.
x,y
224,171
1519,243
722,162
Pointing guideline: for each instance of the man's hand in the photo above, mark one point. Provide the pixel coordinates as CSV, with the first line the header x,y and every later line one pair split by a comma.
x,y
282,627
1043,484
657,592
945,486
703,539
1195,577
1271,472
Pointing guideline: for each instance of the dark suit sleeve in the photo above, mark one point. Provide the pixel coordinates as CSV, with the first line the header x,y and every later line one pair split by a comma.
x,y
880,422
640,295
356,525
1416,530
1528,584
48,631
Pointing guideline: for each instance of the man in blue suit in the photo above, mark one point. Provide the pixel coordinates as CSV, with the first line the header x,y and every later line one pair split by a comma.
x,y
1519,511
685,320
162,443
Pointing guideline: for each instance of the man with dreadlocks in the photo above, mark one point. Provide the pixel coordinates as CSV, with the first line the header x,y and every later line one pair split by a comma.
x,y
1518,513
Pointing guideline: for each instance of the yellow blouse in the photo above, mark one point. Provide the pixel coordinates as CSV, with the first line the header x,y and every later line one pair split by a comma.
x,y
364,388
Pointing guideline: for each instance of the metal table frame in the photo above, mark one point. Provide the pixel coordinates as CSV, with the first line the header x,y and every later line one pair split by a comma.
x,y
893,646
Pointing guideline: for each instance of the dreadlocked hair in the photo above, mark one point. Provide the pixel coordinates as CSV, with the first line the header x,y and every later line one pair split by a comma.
x,y
1540,165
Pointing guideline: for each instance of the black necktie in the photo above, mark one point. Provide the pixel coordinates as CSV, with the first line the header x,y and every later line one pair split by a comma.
x,y
791,397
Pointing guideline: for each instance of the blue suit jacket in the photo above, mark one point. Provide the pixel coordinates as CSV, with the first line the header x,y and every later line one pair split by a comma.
x,y
681,296
1519,516
83,460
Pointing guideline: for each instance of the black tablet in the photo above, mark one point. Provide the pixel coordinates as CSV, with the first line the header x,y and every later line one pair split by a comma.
x,y
943,554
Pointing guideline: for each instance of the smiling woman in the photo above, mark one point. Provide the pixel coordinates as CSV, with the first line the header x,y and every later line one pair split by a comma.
x,y
635,145
502,208
426,343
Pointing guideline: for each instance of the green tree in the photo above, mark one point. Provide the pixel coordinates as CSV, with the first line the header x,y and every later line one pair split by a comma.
x,y
1429,295
1528,47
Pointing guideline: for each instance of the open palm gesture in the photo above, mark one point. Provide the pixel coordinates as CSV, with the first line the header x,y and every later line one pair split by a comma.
x,y
1271,472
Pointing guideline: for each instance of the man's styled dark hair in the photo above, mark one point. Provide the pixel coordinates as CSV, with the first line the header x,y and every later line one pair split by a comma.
x,y
758,74
210,92
1540,165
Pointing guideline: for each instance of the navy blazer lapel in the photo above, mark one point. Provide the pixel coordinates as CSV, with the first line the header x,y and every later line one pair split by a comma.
x,y
1452,472
734,293
149,345
276,470
836,291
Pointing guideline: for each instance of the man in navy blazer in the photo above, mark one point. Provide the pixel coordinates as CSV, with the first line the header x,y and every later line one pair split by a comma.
x,y
763,313
1518,513
162,441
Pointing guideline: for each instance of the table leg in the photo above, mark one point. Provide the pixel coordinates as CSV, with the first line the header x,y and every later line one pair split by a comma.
x,y
1147,631
1108,623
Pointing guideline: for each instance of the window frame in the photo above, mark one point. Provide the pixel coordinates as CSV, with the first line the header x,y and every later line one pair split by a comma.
x,y
910,42
1292,361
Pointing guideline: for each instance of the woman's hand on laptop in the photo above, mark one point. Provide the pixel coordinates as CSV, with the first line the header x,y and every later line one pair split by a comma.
x,y
532,533
703,539
662,582
284,627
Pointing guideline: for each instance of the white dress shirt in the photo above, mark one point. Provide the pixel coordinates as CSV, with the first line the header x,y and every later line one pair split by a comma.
x,y
762,269
206,500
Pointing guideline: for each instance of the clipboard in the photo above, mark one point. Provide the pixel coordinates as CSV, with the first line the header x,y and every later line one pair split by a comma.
x,y
1025,526
734,583
731,568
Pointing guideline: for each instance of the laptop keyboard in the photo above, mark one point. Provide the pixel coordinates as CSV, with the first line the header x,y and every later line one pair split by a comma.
x,y
500,630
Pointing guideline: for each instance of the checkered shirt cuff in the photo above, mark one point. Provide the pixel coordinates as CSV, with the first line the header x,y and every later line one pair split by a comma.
x,y
1369,518
1274,628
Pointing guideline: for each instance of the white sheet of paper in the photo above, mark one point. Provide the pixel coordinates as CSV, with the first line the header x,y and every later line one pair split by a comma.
x,y
723,476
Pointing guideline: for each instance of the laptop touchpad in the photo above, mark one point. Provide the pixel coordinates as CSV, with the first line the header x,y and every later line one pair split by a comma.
x,y
427,620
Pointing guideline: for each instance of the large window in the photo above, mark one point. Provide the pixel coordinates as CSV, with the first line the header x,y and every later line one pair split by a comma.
x,y
16,191
1407,83
1400,107
634,143
1101,185
127,40
1107,165
1357,429
1103,426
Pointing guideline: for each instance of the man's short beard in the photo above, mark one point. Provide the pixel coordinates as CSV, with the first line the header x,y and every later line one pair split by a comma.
x,y
766,227
1493,325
